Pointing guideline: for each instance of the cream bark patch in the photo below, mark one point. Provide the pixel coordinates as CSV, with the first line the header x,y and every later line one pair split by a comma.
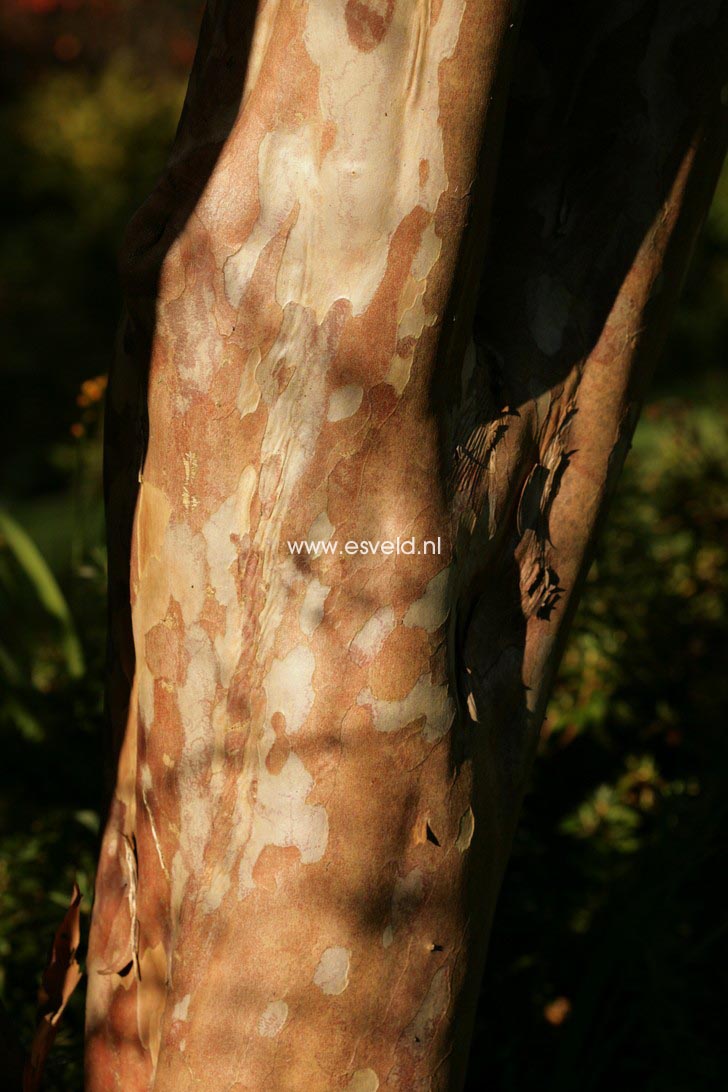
x,y
181,1008
360,96
332,973
426,699
311,614
281,817
431,610
369,640
248,398
321,529
425,1022
344,402
399,371
466,830
288,687
222,560
364,1080
272,1019
151,996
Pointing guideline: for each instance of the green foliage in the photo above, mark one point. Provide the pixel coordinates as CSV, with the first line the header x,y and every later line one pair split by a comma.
x,y
82,149
83,143
21,561
50,777
609,961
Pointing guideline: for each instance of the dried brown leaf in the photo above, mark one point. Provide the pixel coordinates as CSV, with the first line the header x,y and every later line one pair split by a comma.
x,y
60,978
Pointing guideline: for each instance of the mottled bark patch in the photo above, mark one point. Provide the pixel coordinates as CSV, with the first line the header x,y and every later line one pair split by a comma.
x,y
367,22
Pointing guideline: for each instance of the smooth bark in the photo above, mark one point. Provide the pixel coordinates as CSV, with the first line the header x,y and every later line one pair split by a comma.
x,y
319,761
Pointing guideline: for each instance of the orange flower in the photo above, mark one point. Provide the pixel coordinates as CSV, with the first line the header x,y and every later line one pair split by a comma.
x,y
557,1010
94,388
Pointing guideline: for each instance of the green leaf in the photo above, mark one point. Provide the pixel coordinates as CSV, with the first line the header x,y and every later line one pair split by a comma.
x,y
50,596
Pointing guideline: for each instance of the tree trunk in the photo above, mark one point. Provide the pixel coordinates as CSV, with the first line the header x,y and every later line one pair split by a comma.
x,y
319,759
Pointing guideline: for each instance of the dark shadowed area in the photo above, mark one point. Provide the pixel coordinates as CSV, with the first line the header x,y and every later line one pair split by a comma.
x,y
609,958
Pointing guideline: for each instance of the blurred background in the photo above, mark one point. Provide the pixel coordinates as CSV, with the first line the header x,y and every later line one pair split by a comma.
x,y
609,958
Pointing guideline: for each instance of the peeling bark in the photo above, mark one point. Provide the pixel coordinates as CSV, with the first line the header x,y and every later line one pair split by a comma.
x,y
319,761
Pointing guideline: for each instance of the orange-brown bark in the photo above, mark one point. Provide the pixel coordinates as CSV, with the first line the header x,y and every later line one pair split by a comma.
x,y
320,759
